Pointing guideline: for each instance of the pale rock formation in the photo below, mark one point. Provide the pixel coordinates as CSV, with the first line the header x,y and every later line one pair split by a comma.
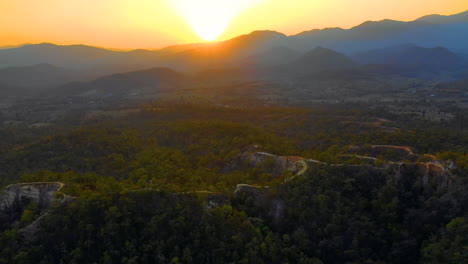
x,y
42,193
270,163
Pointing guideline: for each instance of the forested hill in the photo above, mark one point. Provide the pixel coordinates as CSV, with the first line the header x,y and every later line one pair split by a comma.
x,y
184,183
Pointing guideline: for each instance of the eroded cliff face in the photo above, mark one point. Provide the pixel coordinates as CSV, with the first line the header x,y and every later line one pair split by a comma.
x,y
212,200
269,163
16,198
433,176
432,173
42,193
216,200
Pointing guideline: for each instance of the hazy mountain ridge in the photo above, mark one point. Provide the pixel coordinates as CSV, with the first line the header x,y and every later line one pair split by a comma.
x,y
439,19
64,56
308,64
429,31
42,75
410,60
137,83
321,58
273,56
12,46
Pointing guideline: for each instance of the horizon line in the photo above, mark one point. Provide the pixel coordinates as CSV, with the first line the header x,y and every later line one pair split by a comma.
x,y
14,46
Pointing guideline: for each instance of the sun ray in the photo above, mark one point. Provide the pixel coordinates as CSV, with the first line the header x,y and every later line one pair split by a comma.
x,y
209,18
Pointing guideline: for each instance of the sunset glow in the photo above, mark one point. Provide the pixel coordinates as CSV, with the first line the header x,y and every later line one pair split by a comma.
x,y
209,18
157,23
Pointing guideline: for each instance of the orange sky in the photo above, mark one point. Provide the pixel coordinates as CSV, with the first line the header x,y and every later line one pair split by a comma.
x,y
152,23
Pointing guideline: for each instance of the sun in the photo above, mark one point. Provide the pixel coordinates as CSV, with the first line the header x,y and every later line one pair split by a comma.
x,y
210,18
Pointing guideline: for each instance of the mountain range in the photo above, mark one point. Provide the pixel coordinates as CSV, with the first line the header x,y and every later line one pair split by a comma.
x,y
430,46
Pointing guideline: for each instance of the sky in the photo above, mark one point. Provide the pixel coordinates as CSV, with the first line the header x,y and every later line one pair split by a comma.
x,y
125,24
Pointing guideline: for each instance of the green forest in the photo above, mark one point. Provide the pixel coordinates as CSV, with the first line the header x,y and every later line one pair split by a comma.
x,y
137,188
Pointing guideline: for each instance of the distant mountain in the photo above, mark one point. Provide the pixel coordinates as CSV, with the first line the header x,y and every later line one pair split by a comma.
x,y
138,83
39,75
370,30
134,60
251,43
411,59
435,59
320,59
248,49
309,65
382,55
366,31
429,31
438,19
190,57
258,49
229,53
274,56
12,46
64,56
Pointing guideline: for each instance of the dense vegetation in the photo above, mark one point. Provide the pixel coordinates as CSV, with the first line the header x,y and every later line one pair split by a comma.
x,y
136,180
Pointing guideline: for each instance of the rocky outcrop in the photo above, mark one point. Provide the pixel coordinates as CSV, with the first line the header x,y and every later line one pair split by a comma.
x,y
433,172
15,198
267,162
215,200
434,175
42,193
30,230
